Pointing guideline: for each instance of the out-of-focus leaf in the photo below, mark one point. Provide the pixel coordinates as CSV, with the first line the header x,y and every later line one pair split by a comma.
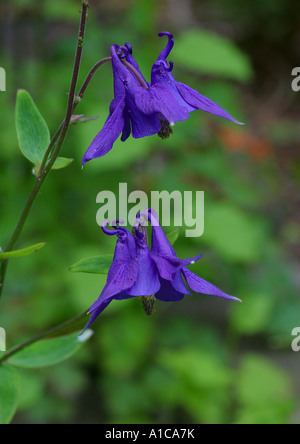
x,y
133,342
32,389
32,130
22,253
94,265
50,352
263,391
62,162
198,368
206,52
253,315
237,235
201,380
9,393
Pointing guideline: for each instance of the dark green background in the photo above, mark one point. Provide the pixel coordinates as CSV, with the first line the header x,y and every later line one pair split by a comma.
x,y
202,360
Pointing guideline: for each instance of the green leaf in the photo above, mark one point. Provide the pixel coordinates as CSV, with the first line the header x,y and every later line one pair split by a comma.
x,y
94,265
236,235
202,382
263,391
22,253
206,52
9,393
254,314
173,235
62,162
32,130
50,352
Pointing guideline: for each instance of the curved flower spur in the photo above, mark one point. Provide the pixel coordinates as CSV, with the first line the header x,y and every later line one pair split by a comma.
x,y
153,274
144,109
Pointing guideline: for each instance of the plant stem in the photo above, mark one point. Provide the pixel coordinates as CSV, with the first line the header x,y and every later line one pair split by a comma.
x,y
100,63
58,139
91,75
46,334
50,148
70,107
59,136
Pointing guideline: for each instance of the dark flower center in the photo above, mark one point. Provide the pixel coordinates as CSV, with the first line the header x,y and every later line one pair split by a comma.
x,y
148,304
166,130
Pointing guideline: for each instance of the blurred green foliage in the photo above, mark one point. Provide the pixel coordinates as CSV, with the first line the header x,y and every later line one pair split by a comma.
x,y
202,360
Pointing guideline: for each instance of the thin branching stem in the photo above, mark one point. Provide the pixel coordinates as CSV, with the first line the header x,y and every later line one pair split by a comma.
x,y
59,329
59,137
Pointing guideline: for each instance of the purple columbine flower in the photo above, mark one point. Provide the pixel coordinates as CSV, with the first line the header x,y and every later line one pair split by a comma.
x,y
157,274
143,109
183,94
137,108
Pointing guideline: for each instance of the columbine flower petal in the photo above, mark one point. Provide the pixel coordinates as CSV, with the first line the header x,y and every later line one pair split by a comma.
x,y
158,100
199,285
130,59
178,283
160,242
127,125
122,277
147,283
197,101
167,50
183,94
143,124
112,129
167,292
162,251
122,274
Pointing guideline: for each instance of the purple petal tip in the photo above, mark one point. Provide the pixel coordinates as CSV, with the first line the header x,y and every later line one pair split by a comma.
x,y
166,33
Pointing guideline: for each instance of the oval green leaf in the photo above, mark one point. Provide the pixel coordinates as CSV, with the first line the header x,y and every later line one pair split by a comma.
x,y
32,130
50,352
62,162
94,265
9,393
22,253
